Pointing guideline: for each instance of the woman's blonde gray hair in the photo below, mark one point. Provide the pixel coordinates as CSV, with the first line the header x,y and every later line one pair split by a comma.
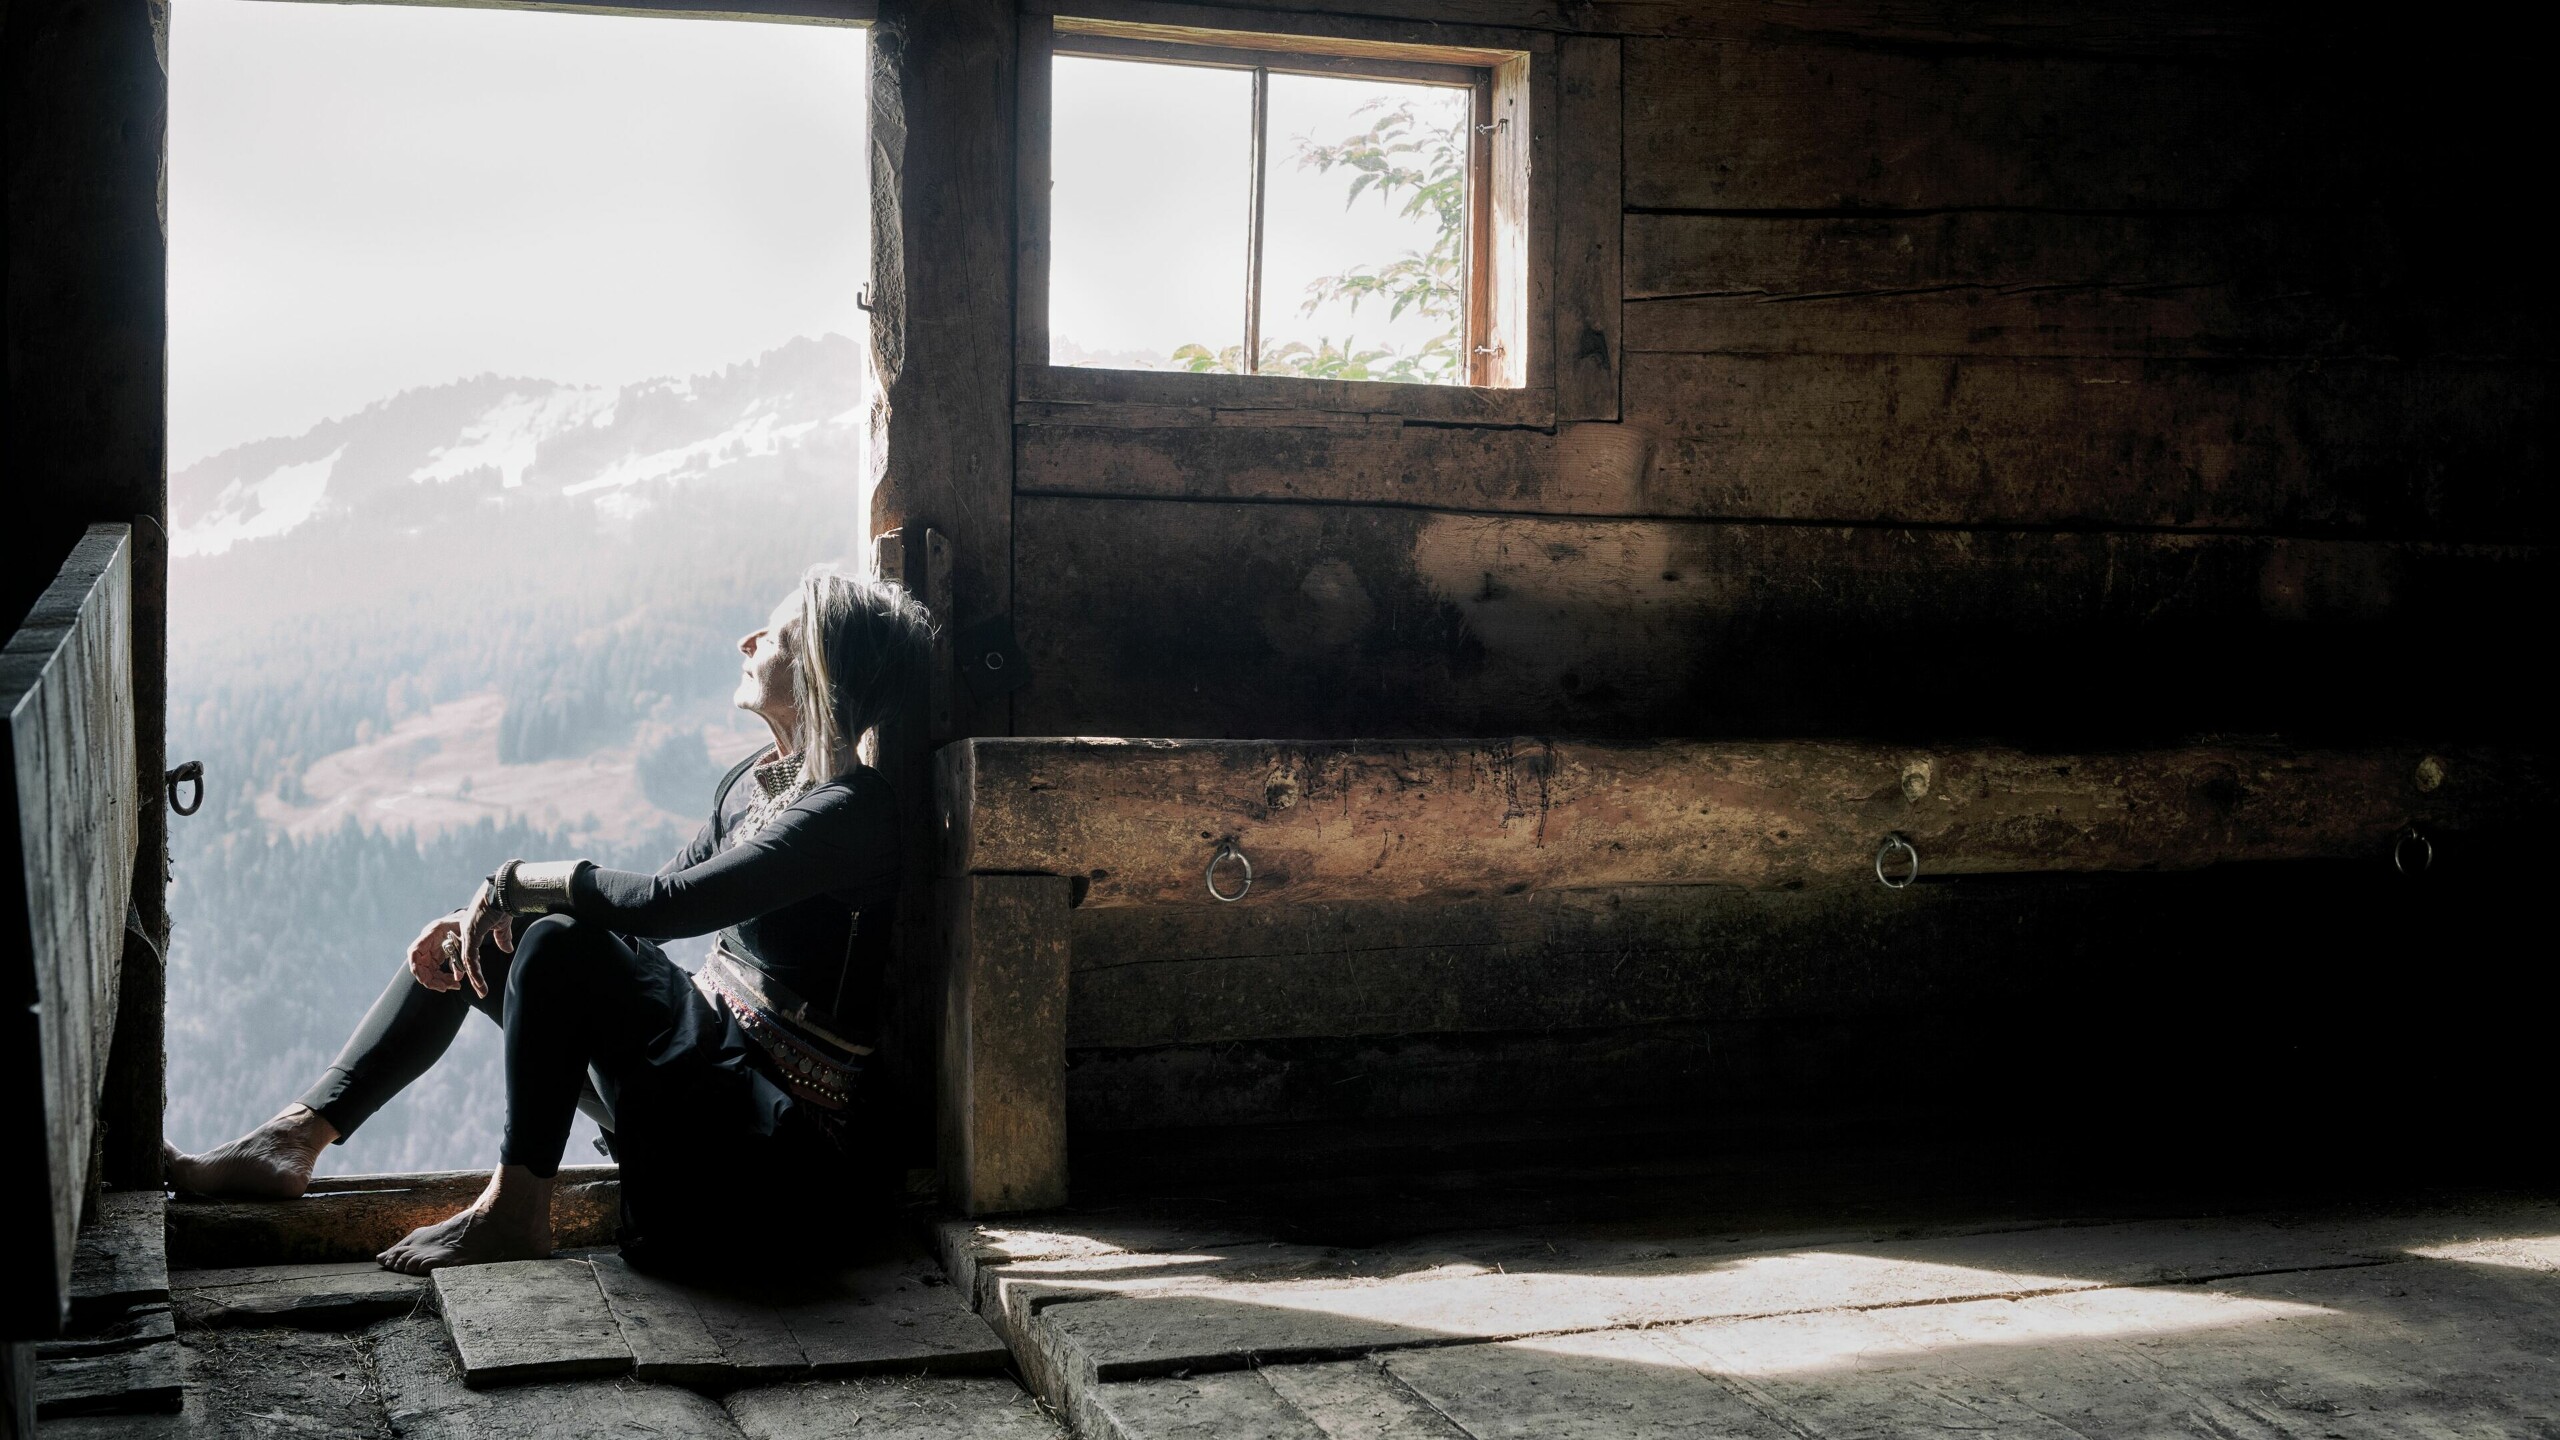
x,y
863,649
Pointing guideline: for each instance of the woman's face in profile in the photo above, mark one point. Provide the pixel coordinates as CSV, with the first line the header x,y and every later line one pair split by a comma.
x,y
764,677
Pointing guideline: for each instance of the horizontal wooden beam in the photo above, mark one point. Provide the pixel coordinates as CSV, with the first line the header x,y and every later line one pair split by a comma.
x,y
1138,821
1342,621
356,1217
2392,449
782,12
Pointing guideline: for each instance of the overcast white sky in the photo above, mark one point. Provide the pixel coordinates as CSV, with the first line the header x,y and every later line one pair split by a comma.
x,y
1149,167
366,198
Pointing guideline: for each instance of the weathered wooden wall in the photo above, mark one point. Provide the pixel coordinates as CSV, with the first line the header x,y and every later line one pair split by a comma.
x,y
2080,375
83,114
68,835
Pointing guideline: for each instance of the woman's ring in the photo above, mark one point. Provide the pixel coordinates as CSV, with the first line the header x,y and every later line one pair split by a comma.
x,y
452,950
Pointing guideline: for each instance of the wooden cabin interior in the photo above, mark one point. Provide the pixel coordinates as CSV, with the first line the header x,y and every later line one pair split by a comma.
x,y
1918,808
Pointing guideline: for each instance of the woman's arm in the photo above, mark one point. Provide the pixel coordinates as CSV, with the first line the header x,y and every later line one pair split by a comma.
x,y
846,843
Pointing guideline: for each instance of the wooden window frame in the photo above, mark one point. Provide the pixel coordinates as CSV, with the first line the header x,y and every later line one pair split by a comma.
x,y
1511,262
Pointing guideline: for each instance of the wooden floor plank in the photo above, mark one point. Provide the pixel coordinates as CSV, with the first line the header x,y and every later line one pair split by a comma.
x,y
529,1320
907,1408
429,1399
1233,1405
694,1334
894,1316
122,1257
336,1296
1359,1400
131,1366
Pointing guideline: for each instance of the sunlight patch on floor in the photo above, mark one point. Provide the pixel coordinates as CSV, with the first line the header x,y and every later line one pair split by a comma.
x,y
2524,1252
1836,1340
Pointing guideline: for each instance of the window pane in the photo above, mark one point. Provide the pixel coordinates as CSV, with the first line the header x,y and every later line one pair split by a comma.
x,y
1150,172
1364,237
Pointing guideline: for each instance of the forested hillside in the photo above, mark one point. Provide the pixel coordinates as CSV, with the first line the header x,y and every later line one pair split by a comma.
x,y
488,619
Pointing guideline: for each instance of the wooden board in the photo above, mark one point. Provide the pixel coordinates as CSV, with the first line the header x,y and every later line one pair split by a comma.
x,y
356,1217
1588,206
68,831
341,1296
893,1316
912,1408
122,1259
2045,283
529,1320
1388,820
2149,29
942,185
2390,450
1318,621
1808,127
1555,961
684,1334
421,1386
1003,1142
131,1366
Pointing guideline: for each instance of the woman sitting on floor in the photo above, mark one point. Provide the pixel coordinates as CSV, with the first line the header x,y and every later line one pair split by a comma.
x,y
747,1079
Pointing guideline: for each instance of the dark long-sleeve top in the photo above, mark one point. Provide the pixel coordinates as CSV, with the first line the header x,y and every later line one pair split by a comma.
x,y
808,898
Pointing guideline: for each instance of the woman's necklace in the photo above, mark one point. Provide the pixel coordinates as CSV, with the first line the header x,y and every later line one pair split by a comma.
x,y
779,783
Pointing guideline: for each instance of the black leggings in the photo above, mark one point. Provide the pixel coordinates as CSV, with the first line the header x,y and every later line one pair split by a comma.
x,y
573,995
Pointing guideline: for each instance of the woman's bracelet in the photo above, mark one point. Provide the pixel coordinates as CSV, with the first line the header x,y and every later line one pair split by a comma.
x,y
500,881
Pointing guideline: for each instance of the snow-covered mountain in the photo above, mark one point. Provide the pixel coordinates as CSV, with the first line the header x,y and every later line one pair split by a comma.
x,y
536,436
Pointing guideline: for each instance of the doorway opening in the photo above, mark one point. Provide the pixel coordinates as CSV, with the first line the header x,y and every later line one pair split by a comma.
x,y
516,369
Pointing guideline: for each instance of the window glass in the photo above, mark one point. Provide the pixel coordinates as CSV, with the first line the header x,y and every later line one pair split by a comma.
x,y
1150,186
1364,230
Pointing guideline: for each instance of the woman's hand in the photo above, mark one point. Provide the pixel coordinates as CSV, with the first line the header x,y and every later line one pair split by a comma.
x,y
446,955
431,955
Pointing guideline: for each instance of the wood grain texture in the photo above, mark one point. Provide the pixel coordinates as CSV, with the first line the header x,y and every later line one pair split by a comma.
x,y
910,1408
2044,283
1396,820
1582,960
1807,127
2447,450
68,832
942,154
1336,621
128,1366
345,1295
357,1217
1587,229
1003,1105
123,1256
2136,28
2405,451
528,1320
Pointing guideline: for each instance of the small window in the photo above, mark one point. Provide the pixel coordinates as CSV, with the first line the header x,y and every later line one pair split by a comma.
x,y
1242,209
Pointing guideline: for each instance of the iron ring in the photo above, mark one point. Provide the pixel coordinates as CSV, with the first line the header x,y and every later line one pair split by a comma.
x,y
1885,851
2400,851
188,773
1228,850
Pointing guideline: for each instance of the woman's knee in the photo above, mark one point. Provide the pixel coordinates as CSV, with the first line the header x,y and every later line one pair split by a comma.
x,y
556,951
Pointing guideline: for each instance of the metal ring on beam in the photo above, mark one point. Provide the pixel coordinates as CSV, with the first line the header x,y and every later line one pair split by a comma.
x,y
1885,851
2400,851
1228,850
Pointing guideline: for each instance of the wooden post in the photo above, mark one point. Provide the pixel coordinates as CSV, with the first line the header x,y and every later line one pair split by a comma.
x,y
1004,1042
919,560
942,152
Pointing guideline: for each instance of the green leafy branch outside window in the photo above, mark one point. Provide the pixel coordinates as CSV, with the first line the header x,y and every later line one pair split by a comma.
x,y
1401,156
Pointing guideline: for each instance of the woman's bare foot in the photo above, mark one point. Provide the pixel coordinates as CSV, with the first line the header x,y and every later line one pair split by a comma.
x,y
272,1162
510,1221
